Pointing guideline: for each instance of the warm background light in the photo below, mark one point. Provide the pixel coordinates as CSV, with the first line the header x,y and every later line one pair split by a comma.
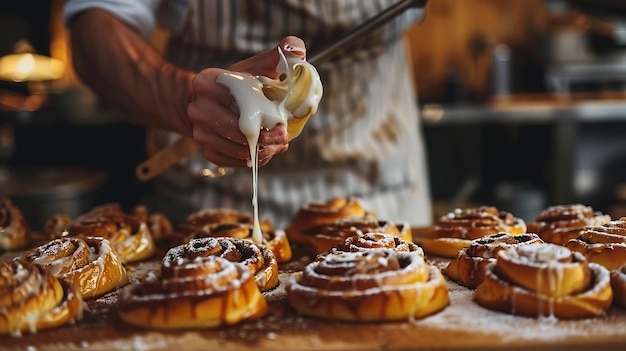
x,y
30,67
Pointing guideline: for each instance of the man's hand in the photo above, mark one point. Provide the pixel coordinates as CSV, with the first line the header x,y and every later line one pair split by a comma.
x,y
216,127
122,68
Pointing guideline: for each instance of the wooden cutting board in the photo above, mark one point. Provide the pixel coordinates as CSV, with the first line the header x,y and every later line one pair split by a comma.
x,y
463,325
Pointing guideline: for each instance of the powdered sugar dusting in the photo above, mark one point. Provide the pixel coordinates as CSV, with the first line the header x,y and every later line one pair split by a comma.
x,y
463,324
464,314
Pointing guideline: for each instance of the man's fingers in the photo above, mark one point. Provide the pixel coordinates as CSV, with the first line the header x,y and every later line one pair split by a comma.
x,y
204,84
265,63
293,46
276,136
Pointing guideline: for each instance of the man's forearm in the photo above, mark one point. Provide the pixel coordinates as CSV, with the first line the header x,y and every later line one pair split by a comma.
x,y
127,72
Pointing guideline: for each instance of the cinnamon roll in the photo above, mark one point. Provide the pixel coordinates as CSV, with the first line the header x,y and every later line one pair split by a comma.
x,y
56,226
158,224
618,284
234,224
373,285
545,280
193,292
32,299
323,226
325,237
371,240
317,214
605,245
90,264
468,269
14,230
455,230
559,224
259,259
128,233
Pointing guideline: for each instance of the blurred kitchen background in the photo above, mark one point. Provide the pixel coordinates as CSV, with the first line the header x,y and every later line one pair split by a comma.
x,y
523,105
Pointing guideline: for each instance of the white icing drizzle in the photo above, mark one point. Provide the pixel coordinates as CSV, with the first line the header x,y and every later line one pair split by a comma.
x,y
264,103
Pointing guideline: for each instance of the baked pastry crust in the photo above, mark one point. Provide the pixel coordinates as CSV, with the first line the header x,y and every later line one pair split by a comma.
x,y
604,245
618,284
317,214
468,269
158,224
90,264
199,292
373,240
326,237
457,229
32,299
545,281
15,233
373,285
231,223
324,226
258,258
558,224
128,233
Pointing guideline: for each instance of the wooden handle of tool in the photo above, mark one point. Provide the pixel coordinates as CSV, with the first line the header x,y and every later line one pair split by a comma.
x,y
165,158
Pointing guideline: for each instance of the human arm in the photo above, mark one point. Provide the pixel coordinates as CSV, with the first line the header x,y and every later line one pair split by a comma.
x,y
122,68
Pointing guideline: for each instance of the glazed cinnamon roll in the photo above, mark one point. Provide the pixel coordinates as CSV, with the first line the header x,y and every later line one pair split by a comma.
x,y
128,233
159,225
323,226
56,226
317,214
605,245
371,240
326,237
545,280
259,259
468,269
32,299
373,285
90,264
559,224
618,284
14,230
193,292
455,230
234,224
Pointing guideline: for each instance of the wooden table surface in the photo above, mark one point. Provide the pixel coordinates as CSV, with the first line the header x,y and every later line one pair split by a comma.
x,y
463,325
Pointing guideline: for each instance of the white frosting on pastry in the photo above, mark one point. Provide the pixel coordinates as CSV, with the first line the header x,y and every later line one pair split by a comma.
x,y
264,103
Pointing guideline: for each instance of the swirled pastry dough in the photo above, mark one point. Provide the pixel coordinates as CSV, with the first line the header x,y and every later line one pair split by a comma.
x,y
605,245
468,269
231,223
128,233
455,230
90,263
373,285
259,259
618,284
364,241
558,224
198,292
14,230
545,281
31,299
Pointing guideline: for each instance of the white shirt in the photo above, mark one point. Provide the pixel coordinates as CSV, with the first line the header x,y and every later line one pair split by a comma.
x,y
365,139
